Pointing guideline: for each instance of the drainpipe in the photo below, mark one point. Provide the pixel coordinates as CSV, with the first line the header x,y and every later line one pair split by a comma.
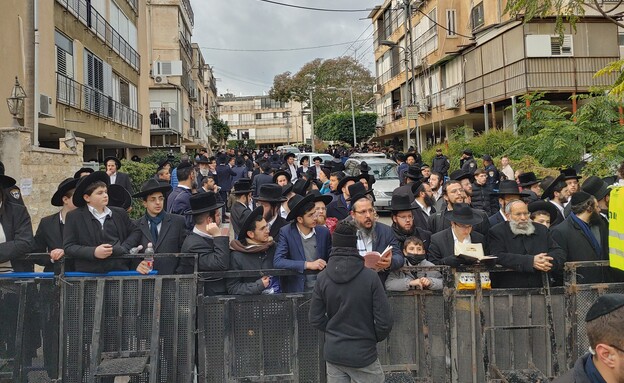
x,y
514,112
36,76
485,118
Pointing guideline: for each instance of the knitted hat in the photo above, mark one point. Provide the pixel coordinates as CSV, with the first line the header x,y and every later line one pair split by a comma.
x,y
345,235
579,197
603,305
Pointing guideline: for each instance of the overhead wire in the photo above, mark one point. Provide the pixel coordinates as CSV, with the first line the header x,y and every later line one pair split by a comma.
x,y
280,49
357,38
313,8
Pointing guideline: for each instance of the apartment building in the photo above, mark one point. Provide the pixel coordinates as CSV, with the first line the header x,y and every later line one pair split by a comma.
x,y
82,66
211,104
268,122
464,63
177,93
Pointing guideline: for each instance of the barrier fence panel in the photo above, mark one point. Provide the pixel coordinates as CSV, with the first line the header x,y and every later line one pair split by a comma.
x,y
579,298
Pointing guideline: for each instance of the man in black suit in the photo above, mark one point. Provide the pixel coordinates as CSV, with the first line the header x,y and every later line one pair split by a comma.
x,y
178,199
508,191
271,199
262,178
528,249
225,175
49,236
557,193
442,249
242,193
116,177
208,241
403,221
339,207
453,194
166,232
93,232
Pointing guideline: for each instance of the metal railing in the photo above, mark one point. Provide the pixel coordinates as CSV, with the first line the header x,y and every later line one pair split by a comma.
x,y
186,5
164,118
186,46
266,121
72,93
103,30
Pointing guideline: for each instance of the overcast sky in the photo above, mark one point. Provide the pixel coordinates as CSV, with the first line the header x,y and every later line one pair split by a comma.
x,y
253,24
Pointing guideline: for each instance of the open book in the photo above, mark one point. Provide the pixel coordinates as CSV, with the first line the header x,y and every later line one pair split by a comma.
x,y
372,257
471,252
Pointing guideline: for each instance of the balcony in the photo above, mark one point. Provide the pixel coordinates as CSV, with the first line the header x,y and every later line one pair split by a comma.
x,y
164,122
186,46
186,5
261,122
103,30
72,93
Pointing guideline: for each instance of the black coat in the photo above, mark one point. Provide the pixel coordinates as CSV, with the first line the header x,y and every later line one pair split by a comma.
x,y
49,236
516,252
276,226
483,199
577,247
17,228
577,374
225,174
249,260
170,239
440,164
259,180
83,233
496,218
469,165
349,305
213,255
123,179
178,202
442,248
421,219
236,216
338,208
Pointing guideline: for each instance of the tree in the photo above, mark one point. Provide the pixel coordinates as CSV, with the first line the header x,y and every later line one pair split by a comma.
x,y
339,127
220,130
319,75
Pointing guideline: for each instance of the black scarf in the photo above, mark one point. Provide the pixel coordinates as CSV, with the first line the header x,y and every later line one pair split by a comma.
x,y
153,224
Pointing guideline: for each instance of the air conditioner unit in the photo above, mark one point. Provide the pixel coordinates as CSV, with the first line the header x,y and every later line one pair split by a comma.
x,y
161,80
45,106
193,94
452,102
378,89
167,68
423,106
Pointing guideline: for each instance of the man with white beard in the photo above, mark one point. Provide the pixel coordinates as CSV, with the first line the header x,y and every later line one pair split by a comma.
x,y
526,248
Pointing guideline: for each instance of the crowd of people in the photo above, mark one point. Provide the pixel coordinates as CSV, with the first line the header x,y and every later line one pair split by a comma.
x,y
311,215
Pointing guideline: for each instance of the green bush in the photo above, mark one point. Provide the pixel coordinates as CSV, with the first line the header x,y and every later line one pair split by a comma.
x,y
154,157
139,172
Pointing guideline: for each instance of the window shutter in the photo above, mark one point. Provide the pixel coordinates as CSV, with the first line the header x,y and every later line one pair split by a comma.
x,y
61,62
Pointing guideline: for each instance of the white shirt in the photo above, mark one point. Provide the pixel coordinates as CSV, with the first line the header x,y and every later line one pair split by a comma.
x,y
456,240
559,207
293,172
201,233
318,172
113,178
426,209
508,172
100,216
503,214
303,236
283,212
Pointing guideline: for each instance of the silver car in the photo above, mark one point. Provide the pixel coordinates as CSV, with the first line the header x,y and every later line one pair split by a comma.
x,y
386,177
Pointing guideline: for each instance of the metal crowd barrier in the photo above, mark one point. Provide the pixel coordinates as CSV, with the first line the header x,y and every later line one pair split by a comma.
x,y
158,329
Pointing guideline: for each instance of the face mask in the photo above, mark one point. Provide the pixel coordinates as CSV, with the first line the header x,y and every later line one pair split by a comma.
x,y
414,259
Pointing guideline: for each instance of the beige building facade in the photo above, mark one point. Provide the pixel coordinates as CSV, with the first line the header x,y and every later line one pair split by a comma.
x,y
268,122
177,94
471,63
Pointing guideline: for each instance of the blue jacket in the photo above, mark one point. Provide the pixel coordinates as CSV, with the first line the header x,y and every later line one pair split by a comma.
x,y
178,202
289,254
241,172
224,177
338,208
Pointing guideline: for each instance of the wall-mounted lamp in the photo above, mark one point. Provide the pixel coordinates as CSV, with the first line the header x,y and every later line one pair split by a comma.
x,y
16,102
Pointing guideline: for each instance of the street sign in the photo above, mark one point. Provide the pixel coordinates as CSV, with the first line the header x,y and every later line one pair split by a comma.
x,y
411,112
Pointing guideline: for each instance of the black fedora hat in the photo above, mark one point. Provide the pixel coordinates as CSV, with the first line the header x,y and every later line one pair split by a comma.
x,y
202,160
459,175
510,187
364,167
152,186
596,187
65,186
343,182
287,189
301,186
570,174
163,162
545,182
85,182
413,173
203,203
270,193
329,164
118,196
528,179
83,170
6,181
289,155
296,205
318,197
303,159
317,158
281,173
242,186
117,162
248,219
464,214
401,202
549,188
548,207
357,191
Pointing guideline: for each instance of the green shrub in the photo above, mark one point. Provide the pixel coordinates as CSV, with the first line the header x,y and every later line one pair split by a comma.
x,y
154,157
139,172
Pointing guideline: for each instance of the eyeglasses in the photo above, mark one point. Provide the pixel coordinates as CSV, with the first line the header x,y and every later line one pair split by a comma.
x,y
617,348
462,226
454,191
405,219
366,212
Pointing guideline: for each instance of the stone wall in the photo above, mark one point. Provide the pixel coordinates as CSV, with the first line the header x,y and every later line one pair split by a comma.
x,y
46,167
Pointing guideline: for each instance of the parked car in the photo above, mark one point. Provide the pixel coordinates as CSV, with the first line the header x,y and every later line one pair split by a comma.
x,y
367,155
324,157
386,177
288,149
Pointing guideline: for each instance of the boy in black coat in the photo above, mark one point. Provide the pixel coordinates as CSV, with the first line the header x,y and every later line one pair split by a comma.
x,y
93,232
350,306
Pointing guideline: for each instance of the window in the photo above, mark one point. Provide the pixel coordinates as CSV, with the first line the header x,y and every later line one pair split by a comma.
x,y
451,26
258,116
559,47
620,39
64,55
548,45
98,80
122,24
477,18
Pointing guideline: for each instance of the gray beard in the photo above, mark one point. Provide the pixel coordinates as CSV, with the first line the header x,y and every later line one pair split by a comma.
x,y
366,232
525,228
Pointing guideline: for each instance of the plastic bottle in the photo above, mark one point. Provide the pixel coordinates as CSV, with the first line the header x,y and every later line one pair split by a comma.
x,y
149,256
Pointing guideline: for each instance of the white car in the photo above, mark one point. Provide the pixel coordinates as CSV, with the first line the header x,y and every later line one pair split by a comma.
x,y
288,149
324,157
386,177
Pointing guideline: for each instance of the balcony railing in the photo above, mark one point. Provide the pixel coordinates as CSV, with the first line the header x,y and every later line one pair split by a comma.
x,y
79,96
165,119
186,46
134,4
103,30
186,4
267,121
